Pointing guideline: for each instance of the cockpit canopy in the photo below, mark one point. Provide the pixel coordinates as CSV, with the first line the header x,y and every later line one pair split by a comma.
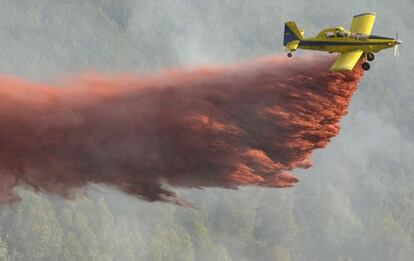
x,y
334,32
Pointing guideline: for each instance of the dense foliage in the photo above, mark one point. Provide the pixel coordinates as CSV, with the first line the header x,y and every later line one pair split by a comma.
x,y
356,203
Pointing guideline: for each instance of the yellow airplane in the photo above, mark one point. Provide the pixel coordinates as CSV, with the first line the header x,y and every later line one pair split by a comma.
x,y
350,45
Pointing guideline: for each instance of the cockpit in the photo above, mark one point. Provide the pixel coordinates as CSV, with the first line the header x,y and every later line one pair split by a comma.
x,y
336,32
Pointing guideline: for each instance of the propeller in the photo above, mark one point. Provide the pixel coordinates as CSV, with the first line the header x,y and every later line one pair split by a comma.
x,y
397,43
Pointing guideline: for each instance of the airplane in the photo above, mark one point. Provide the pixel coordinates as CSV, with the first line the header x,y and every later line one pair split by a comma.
x,y
351,45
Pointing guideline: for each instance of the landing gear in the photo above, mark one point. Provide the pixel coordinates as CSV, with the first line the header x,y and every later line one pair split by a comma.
x,y
289,54
365,66
370,57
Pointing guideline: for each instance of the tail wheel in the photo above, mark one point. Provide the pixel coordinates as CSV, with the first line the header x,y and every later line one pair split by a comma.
x,y
370,57
289,54
366,66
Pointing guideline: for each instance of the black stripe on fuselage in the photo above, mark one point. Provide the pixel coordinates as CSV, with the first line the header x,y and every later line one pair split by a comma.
x,y
323,43
379,37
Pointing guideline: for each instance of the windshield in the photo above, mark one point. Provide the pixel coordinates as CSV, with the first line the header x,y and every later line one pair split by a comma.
x,y
342,34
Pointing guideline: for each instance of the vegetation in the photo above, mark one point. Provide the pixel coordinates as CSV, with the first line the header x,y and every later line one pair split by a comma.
x,y
356,203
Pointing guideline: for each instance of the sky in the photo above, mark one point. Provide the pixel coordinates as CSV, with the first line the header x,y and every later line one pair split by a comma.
x,y
47,40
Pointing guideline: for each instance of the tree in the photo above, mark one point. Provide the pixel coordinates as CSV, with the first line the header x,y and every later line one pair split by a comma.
x,y
170,244
3,250
282,254
35,233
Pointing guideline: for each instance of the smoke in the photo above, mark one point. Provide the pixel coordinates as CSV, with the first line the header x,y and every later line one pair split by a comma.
x,y
222,126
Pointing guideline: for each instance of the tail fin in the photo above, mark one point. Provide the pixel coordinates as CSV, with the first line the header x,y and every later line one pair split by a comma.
x,y
292,33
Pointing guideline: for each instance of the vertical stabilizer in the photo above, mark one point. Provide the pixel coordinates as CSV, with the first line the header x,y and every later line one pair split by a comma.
x,y
292,33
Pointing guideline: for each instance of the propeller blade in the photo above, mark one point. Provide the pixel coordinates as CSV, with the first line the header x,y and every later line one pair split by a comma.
x,y
396,51
398,42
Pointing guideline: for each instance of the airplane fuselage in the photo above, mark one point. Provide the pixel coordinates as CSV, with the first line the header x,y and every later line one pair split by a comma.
x,y
368,44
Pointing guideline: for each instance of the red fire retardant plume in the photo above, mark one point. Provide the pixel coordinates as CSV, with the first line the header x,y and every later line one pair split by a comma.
x,y
215,126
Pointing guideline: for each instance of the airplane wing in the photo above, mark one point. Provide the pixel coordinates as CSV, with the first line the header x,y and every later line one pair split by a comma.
x,y
346,61
363,23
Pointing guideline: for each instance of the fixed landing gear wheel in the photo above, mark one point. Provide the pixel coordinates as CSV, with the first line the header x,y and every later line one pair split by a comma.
x,y
370,57
365,66
289,54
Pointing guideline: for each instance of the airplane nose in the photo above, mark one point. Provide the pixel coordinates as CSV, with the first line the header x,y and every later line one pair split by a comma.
x,y
399,41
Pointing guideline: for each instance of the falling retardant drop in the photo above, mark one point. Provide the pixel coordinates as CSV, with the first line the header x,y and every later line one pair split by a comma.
x,y
226,126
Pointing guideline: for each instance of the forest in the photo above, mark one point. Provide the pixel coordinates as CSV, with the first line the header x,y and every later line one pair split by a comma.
x,y
355,203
